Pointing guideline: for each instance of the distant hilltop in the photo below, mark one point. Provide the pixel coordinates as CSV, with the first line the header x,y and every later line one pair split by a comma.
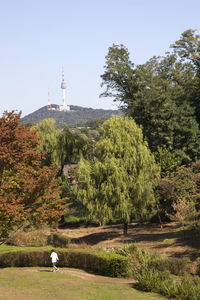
x,y
76,116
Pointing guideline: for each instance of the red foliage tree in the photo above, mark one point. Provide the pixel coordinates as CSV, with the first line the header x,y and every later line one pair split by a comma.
x,y
28,191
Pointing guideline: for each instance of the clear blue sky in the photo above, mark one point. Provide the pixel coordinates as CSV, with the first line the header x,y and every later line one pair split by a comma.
x,y
39,36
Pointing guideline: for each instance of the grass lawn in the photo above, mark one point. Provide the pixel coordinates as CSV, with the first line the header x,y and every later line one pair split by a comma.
x,y
8,248
40,283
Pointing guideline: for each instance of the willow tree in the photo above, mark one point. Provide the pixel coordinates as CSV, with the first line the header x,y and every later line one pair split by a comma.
x,y
62,146
52,142
120,183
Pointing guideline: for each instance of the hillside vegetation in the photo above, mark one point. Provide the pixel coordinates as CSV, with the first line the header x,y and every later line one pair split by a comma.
x,y
76,116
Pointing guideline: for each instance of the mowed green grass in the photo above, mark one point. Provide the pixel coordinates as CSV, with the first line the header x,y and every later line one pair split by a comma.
x,y
38,283
7,248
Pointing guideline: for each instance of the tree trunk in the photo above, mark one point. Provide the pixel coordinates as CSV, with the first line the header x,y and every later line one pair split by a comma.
x,y
159,218
125,228
11,235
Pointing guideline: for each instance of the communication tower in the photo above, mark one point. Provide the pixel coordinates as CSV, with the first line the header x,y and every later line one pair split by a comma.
x,y
64,107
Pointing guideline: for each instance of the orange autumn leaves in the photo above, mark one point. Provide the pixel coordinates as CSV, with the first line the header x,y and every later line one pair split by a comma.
x,y
28,190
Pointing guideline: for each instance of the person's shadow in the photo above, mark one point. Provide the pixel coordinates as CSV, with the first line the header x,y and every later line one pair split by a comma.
x,y
44,270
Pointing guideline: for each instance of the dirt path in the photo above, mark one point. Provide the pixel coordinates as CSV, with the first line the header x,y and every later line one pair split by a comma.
x,y
86,276
96,278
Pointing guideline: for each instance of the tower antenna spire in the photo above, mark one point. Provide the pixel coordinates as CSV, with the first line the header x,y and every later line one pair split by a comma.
x,y
49,101
63,77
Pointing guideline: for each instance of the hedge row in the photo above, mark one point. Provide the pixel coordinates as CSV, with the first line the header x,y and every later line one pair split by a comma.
x,y
103,263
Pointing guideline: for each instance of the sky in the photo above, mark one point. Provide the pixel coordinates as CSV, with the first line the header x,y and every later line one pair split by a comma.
x,y
38,37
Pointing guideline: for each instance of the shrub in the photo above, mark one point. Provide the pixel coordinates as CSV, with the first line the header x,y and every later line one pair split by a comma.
x,y
150,279
188,289
167,288
136,255
176,266
128,250
153,273
58,240
198,266
104,263
35,238
147,279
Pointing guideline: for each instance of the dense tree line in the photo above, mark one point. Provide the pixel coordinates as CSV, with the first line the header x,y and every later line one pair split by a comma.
x,y
162,95
139,166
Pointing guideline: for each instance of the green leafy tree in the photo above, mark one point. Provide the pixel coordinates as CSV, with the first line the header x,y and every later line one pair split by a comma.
x,y
61,145
155,95
167,160
94,124
119,77
76,144
179,193
120,183
187,48
52,142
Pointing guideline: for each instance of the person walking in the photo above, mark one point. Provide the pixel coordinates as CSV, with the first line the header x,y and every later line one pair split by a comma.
x,y
54,259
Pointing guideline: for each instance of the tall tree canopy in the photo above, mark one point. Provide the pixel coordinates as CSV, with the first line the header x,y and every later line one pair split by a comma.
x,y
156,95
187,48
28,191
120,182
52,142
76,144
61,146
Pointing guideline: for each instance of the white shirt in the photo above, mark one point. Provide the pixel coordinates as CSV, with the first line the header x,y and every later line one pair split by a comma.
x,y
54,257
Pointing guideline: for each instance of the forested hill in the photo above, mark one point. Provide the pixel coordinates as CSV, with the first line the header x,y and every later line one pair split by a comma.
x,y
76,116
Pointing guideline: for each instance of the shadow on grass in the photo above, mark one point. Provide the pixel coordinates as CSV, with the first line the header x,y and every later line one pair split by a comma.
x,y
95,238
184,237
150,237
170,236
45,271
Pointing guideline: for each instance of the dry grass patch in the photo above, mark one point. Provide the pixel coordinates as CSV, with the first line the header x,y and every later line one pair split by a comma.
x,y
168,241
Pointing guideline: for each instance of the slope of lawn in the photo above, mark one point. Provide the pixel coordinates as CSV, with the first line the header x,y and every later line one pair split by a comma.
x,y
38,283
